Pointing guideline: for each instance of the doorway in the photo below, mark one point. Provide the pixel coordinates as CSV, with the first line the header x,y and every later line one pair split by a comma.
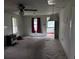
x,y
50,28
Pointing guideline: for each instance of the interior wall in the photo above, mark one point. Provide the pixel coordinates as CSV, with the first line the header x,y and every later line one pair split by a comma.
x,y
66,29
8,24
23,24
28,27
20,25
72,44
28,20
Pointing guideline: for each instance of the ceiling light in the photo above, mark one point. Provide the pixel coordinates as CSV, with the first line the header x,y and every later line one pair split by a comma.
x,y
51,2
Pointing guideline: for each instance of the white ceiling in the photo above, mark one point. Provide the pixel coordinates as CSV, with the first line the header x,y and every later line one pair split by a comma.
x,y
41,5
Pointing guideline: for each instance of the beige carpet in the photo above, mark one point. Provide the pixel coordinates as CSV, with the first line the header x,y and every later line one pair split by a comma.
x,y
35,48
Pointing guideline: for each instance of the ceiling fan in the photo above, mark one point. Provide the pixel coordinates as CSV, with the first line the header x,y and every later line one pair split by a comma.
x,y
22,8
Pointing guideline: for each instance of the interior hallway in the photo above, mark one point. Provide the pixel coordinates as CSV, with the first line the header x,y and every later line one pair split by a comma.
x,y
23,13
35,48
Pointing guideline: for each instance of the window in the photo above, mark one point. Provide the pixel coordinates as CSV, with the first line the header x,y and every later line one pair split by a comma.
x,y
14,23
51,24
35,24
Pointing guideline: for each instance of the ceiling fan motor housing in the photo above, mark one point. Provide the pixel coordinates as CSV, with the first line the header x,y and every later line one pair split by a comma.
x,y
21,7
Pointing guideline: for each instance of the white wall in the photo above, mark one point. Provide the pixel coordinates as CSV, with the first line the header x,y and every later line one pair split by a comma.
x,y
20,25
23,24
66,32
8,23
72,44
28,27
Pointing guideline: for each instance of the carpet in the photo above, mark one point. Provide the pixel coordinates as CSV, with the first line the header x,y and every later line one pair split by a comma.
x,y
35,48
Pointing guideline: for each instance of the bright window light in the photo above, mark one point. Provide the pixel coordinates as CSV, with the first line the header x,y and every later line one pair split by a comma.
x,y
48,18
35,24
14,22
51,2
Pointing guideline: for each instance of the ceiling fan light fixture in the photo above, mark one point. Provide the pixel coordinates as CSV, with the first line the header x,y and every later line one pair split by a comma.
x,y
21,13
51,2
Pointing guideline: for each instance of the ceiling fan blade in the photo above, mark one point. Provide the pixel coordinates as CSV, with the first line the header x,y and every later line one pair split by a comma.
x,y
30,9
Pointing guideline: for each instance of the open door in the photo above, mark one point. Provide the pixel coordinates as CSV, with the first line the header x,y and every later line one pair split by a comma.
x,y
57,29
50,29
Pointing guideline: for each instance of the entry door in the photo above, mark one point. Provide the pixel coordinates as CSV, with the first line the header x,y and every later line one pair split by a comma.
x,y
56,29
51,29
